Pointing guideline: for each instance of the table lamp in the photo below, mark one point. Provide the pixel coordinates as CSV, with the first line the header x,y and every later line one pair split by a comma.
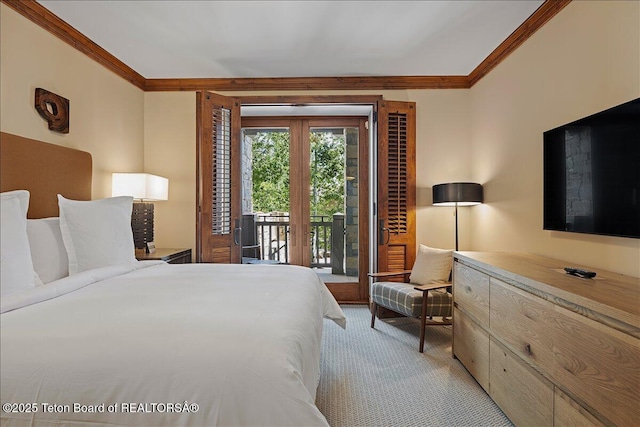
x,y
145,188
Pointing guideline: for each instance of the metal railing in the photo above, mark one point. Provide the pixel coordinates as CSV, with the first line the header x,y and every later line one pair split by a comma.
x,y
321,241
273,237
274,231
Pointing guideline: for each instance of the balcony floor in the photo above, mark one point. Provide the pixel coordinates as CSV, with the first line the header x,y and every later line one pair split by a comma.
x,y
327,277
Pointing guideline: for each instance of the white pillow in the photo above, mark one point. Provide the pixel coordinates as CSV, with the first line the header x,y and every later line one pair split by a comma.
x,y
48,254
431,264
97,233
16,268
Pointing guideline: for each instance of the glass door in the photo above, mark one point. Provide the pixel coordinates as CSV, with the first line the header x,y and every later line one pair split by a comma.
x,y
334,203
303,199
266,199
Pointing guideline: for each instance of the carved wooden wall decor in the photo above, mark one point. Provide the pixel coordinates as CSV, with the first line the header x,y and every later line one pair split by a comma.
x,y
54,109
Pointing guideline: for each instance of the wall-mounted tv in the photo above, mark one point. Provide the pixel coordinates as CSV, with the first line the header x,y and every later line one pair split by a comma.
x,y
592,174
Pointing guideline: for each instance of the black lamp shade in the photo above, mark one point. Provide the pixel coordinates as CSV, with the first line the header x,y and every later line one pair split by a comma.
x,y
457,193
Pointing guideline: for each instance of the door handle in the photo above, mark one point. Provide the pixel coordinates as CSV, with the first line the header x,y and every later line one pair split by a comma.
x,y
384,233
237,233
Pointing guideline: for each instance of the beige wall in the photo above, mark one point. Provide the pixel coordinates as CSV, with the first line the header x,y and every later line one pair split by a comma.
x,y
106,112
170,151
586,59
442,155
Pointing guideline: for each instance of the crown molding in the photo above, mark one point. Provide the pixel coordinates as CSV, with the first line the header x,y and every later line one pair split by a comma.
x,y
41,16
50,22
541,16
310,83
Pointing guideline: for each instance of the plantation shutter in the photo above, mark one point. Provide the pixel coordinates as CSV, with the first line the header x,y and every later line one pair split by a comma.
x,y
219,164
396,205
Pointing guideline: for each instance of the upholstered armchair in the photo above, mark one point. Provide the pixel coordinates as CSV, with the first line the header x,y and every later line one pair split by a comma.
x,y
424,294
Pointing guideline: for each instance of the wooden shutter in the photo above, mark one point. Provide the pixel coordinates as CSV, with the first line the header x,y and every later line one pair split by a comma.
x,y
396,205
219,173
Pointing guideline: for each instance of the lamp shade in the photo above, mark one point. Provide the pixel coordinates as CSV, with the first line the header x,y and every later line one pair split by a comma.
x,y
457,193
141,186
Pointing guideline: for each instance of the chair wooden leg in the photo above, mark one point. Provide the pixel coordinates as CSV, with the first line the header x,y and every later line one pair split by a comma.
x,y
374,308
423,319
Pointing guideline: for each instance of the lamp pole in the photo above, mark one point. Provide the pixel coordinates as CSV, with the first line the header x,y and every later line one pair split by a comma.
x,y
456,215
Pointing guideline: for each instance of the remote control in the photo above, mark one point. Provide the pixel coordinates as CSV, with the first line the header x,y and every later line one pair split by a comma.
x,y
580,273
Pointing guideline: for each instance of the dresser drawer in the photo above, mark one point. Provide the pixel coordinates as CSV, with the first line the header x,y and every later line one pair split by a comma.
x,y
471,292
595,363
521,321
568,413
524,395
471,347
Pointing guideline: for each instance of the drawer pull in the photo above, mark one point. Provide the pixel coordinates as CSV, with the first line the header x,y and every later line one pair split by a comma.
x,y
528,349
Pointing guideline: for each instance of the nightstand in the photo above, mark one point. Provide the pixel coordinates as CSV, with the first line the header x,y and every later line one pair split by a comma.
x,y
170,255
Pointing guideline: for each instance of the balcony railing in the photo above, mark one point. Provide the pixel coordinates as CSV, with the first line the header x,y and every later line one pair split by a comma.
x,y
273,239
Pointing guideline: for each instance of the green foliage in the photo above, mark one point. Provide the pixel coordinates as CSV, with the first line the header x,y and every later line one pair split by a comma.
x,y
271,172
327,173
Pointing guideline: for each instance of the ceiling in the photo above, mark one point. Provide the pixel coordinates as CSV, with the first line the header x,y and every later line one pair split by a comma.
x,y
245,39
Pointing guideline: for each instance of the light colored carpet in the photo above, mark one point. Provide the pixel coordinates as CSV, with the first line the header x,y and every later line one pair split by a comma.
x,y
377,377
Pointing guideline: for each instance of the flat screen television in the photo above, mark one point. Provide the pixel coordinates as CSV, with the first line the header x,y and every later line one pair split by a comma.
x,y
592,174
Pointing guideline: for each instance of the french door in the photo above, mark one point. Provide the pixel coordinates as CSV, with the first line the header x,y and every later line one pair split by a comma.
x,y
325,207
220,182
273,193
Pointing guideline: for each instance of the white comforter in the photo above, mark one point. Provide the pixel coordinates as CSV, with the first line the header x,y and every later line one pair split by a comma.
x,y
139,343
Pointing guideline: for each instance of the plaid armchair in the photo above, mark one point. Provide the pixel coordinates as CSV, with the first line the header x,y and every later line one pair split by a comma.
x,y
424,294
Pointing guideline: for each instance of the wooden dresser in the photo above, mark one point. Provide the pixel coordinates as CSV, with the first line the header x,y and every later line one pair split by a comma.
x,y
549,348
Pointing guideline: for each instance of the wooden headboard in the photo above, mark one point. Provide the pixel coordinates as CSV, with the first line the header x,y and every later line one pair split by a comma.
x,y
45,170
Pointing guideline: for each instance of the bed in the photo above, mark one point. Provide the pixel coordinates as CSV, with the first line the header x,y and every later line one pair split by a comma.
x,y
148,343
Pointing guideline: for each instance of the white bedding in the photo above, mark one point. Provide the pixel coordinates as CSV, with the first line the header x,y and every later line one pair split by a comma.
x,y
240,342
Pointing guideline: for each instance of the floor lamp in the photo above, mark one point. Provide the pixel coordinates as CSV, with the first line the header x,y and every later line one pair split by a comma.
x,y
457,194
